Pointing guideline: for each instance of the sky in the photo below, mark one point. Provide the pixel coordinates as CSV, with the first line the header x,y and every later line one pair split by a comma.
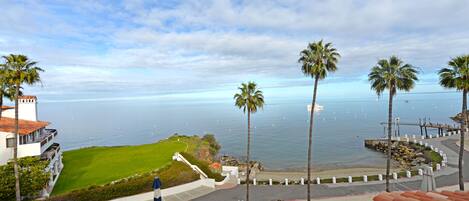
x,y
122,49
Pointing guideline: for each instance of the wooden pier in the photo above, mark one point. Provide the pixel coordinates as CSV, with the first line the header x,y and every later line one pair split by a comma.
x,y
424,125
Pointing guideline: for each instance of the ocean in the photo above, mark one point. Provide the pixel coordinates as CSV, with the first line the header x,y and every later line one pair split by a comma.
x,y
279,137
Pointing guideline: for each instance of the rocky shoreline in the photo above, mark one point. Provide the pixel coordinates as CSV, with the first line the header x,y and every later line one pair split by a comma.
x,y
408,155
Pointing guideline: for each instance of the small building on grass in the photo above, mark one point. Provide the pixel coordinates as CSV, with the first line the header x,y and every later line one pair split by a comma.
x,y
34,139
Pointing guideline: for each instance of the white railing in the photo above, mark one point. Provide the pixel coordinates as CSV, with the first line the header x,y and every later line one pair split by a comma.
x,y
177,156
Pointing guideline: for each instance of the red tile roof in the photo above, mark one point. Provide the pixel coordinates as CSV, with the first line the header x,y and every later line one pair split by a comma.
x,y
26,127
423,196
4,107
27,97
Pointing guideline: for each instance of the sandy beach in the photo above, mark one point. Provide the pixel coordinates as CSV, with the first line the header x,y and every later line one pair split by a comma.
x,y
281,175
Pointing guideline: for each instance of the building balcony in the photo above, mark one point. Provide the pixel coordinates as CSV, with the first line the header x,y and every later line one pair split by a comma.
x,y
39,145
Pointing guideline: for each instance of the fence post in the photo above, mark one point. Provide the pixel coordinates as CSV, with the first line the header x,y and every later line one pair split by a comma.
x,y
409,174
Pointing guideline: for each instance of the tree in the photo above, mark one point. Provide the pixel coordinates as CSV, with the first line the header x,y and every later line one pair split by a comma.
x,y
317,60
23,70
457,77
5,84
213,144
33,178
250,99
392,75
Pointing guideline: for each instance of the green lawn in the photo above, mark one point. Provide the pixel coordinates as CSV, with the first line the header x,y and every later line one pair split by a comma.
x,y
102,165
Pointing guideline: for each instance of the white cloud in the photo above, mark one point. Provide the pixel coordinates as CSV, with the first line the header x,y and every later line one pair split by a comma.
x,y
95,46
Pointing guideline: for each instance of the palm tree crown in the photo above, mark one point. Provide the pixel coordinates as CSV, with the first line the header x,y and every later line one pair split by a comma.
x,y
457,75
249,99
22,69
393,75
318,59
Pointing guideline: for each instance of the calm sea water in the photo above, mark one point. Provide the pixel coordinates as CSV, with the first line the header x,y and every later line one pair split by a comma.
x,y
279,131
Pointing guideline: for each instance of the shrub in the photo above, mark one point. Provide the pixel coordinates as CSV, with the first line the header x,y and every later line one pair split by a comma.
x,y
33,178
175,174
204,166
214,146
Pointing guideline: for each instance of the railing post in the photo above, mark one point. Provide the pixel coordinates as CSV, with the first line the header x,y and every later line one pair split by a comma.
x,y
409,174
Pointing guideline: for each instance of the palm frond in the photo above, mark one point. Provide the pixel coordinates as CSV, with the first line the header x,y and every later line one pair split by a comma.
x,y
249,98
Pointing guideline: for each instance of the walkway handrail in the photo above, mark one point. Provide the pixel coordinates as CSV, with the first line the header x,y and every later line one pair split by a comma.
x,y
180,157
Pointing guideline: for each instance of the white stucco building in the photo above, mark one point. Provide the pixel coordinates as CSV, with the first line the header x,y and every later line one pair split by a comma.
x,y
34,138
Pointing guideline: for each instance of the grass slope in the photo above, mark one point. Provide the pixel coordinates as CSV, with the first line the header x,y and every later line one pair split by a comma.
x,y
101,165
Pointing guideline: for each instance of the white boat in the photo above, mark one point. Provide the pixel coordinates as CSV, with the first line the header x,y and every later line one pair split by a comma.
x,y
317,107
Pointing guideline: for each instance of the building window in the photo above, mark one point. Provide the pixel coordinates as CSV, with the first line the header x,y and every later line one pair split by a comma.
x,y
10,142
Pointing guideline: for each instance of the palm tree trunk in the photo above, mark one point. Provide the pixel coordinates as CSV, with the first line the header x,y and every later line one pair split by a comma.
x,y
461,147
15,147
248,162
388,161
1,102
310,140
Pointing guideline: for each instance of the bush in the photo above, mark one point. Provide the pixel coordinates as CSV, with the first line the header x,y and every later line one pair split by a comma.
x,y
175,174
214,146
204,166
33,178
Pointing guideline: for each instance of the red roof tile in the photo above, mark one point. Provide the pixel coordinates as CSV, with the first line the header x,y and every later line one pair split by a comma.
x,y
423,196
4,107
27,97
25,126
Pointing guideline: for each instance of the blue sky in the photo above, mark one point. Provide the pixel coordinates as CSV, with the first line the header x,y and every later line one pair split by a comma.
x,y
139,48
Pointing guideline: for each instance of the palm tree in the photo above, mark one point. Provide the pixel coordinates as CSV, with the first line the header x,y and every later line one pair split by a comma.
x,y
23,70
250,99
392,75
457,76
6,85
317,60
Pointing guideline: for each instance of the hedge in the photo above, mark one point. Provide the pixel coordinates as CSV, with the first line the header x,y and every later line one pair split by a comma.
x,y
176,173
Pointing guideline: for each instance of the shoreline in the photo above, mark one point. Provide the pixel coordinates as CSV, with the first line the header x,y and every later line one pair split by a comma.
x,y
340,172
333,166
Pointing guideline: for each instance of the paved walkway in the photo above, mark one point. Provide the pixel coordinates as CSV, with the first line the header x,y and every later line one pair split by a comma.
x,y
447,177
189,195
